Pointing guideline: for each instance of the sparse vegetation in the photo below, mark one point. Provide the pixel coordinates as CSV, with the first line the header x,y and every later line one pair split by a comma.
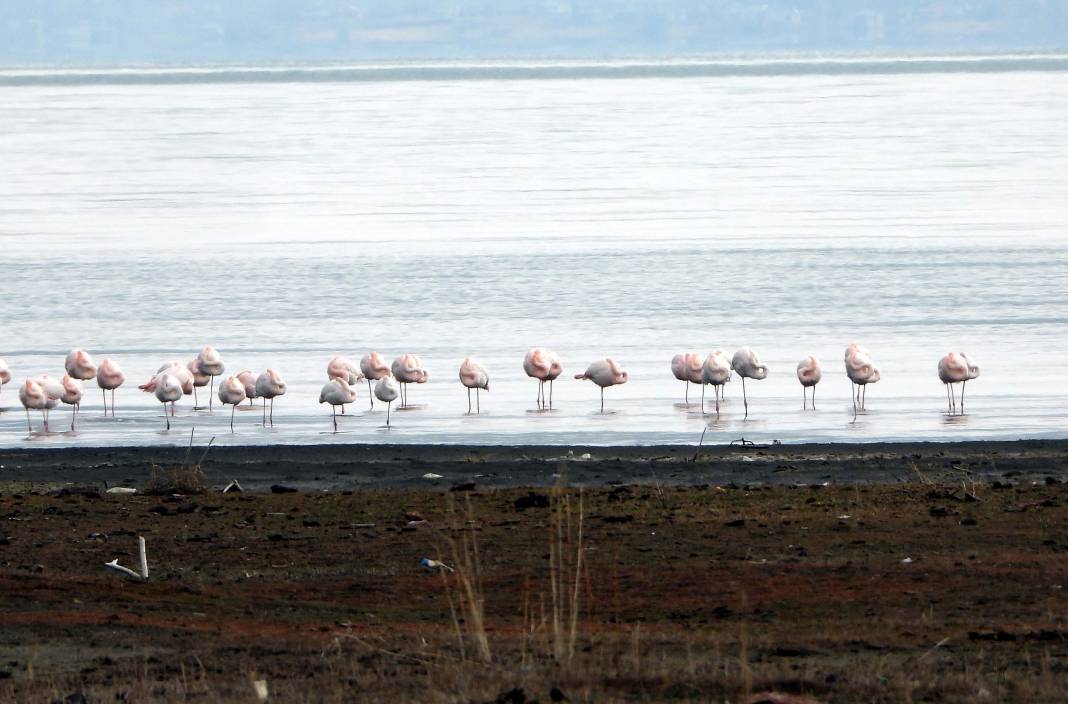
x,y
184,478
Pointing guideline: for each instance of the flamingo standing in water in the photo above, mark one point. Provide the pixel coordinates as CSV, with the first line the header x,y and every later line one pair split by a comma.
x,y
408,369
687,368
167,389
953,369
809,373
973,372
199,380
5,374
473,375
605,372
79,365
543,365
748,366
210,362
337,392
269,385
109,377
33,397
231,393
373,367
345,369
182,376
72,396
861,370
387,390
248,380
716,371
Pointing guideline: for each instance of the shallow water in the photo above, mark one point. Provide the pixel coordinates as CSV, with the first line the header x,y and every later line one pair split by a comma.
x,y
634,216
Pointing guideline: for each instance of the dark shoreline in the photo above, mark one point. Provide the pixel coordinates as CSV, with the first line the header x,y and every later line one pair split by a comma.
x,y
342,467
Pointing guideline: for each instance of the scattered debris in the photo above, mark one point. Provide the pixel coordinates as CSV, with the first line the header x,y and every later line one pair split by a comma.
x,y
435,565
143,576
233,486
123,490
260,687
432,475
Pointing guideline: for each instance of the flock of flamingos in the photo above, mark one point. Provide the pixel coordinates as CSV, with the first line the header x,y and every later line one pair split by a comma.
x,y
174,380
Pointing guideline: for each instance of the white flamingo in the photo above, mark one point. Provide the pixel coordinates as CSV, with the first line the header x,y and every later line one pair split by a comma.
x,y
408,369
373,368
336,392
605,372
473,375
210,362
5,374
748,366
953,369
34,398
861,370
231,393
72,396
248,380
200,380
809,373
716,371
686,367
387,390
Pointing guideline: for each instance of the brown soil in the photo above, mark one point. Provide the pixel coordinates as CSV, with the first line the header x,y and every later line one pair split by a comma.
x,y
922,591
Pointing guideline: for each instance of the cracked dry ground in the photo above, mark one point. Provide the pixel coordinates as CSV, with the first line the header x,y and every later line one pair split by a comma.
x,y
915,592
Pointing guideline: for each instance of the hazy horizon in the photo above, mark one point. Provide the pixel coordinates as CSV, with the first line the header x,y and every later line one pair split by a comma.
x,y
63,33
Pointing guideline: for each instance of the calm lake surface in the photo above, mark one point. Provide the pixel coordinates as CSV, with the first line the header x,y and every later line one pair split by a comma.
x,y
451,210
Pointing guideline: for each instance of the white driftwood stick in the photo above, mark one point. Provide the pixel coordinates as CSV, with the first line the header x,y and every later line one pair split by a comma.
x,y
114,564
144,557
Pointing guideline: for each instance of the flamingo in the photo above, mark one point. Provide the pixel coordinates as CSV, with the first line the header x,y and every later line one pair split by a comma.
x,y
210,362
343,368
182,376
72,396
269,385
716,371
199,380
80,365
5,374
387,390
543,365
337,392
605,372
473,375
231,393
861,370
167,388
109,377
953,369
33,397
248,381
748,366
372,366
687,368
408,369
809,373
973,372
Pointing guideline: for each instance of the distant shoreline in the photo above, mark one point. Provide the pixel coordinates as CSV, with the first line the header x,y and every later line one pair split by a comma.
x,y
537,69
354,467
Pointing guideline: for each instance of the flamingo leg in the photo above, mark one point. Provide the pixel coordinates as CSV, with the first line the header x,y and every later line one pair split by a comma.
x,y
29,428
232,409
265,411
369,395
211,393
813,397
469,401
45,412
540,401
551,393
113,403
687,384
73,416
745,400
196,400
602,399
851,387
864,398
272,412
166,418
702,397
719,393
388,404
478,402
333,410
105,395
804,398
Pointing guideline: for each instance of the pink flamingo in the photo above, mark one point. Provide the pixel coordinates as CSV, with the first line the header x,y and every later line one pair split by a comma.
x,y
72,396
716,371
210,362
861,370
269,385
809,373
33,397
109,377
181,375
953,369
605,372
5,374
543,365
167,389
232,393
408,369
687,368
748,366
473,375
79,365
337,392
248,381
373,367
199,380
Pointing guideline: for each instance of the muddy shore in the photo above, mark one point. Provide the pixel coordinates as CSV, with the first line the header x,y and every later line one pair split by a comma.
x,y
341,467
